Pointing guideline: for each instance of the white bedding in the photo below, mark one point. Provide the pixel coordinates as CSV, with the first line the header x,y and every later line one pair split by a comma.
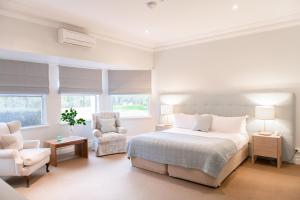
x,y
239,139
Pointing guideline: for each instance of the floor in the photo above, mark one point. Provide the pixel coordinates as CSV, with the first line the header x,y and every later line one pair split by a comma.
x,y
113,178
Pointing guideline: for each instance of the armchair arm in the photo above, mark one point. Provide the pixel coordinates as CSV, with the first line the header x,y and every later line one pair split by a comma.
x,y
12,154
121,130
97,133
31,144
11,163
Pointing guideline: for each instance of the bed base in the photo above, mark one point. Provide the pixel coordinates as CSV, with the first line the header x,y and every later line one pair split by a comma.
x,y
193,175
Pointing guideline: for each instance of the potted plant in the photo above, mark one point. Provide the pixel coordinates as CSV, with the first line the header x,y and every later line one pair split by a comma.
x,y
69,116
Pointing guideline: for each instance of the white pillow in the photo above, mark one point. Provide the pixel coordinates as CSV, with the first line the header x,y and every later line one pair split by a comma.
x,y
202,122
108,125
12,141
229,124
184,121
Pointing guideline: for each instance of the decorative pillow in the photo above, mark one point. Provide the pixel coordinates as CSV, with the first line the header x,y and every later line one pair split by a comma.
x,y
12,141
108,125
184,121
98,125
229,124
3,131
202,122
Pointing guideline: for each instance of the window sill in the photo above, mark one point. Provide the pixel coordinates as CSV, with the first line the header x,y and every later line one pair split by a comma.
x,y
34,127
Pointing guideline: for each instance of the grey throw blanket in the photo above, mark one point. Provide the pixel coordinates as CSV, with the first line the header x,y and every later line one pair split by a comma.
x,y
190,151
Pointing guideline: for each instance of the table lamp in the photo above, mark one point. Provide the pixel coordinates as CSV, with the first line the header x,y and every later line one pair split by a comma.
x,y
166,111
265,113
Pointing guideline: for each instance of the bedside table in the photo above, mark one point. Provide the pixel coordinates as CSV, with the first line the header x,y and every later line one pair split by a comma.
x,y
161,127
267,146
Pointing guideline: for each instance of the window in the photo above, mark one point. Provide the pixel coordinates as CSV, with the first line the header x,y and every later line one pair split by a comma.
x,y
27,109
131,105
85,105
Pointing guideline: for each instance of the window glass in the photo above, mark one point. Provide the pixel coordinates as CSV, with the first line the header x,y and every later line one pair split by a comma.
x,y
85,105
27,109
131,105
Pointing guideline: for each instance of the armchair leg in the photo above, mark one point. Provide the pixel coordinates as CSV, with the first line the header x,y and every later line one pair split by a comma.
x,y
27,181
47,167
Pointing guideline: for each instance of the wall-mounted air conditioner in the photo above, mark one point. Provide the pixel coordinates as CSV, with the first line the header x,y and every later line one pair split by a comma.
x,y
71,37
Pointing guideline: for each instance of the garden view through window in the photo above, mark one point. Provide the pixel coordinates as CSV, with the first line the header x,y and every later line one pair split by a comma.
x,y
131,105
85,105
27,109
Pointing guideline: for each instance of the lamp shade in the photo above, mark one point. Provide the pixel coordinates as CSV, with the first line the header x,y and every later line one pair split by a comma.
x,y
265,112
166,109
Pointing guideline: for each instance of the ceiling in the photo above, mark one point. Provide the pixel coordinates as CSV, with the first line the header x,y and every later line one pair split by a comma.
x,y
172,22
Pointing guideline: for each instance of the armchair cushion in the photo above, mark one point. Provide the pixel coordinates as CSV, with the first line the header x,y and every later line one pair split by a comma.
x,y
12,141
104,115
14,126
32,156
108,125
4,130
31,144
111,137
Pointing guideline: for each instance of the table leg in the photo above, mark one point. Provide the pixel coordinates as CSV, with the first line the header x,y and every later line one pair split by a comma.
x,y
53,157
278,162
78,150
253,159
85,150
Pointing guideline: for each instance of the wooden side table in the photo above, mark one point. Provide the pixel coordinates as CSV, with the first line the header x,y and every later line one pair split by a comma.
x,y
81,147
267,146
161,127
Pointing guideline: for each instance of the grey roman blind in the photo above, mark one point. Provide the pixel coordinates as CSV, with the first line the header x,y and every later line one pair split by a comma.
x,y
80,80
18,77
129,81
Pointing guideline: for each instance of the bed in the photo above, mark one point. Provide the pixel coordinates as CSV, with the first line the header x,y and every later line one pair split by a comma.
x,y
229,105
174,152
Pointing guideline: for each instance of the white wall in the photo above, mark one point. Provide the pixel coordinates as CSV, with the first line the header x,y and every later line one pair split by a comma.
x,y
267,60
29,37
40,44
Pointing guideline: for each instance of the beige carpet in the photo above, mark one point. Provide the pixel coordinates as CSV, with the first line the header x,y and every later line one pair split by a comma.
x,y
112,177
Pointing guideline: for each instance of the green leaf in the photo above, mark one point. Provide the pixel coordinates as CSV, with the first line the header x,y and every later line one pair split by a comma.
x,y
69,116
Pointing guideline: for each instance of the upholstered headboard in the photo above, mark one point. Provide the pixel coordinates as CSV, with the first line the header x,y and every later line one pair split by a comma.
x,y
243,104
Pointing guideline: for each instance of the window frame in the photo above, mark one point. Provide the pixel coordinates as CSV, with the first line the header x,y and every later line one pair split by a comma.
x,y
44,119
148,115
74,94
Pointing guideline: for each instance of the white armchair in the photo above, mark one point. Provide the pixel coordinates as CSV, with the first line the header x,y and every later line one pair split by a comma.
x,y
105,141
25,161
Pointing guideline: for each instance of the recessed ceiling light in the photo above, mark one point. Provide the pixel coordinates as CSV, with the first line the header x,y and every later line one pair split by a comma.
x,y
147,31
151,4
235,7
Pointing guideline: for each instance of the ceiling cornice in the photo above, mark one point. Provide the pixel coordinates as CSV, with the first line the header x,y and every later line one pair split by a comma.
x,y
261,26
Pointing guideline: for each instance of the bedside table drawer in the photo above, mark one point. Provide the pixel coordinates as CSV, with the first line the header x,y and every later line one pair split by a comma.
x,y
264,146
